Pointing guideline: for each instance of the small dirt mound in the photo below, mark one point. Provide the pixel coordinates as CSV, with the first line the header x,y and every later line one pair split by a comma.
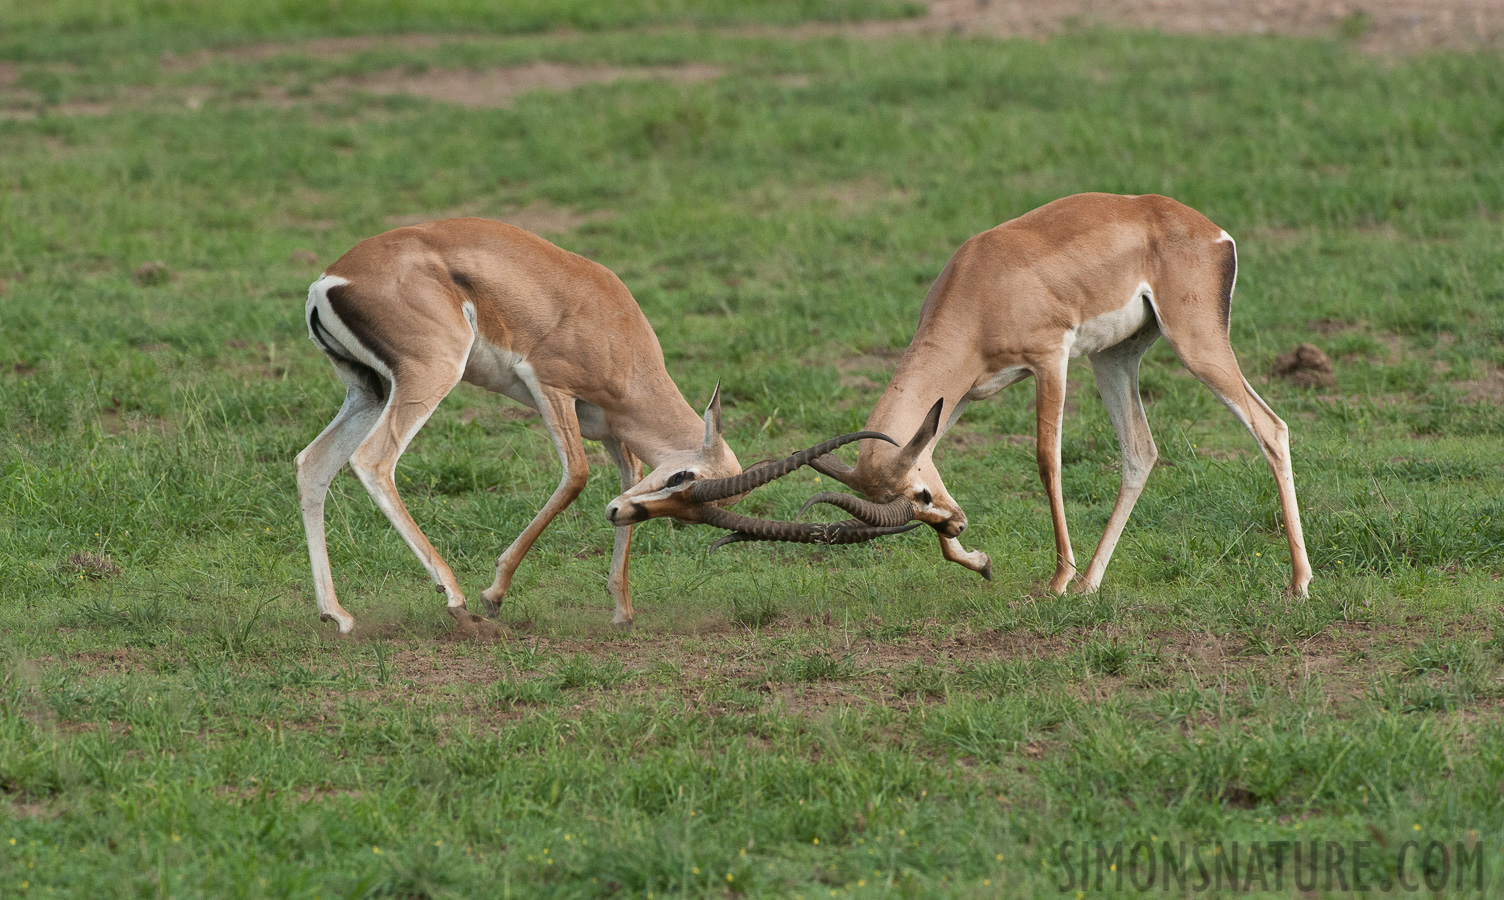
x,y
153,273
1306,366
97,566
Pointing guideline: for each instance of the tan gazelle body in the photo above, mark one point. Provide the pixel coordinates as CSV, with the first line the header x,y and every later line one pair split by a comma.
x,y
406,315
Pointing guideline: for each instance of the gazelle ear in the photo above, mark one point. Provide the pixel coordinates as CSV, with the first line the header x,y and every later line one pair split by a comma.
x,y
713,420
904,461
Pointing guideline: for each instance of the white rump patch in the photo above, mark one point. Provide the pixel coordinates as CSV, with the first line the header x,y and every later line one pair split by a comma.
x,y
329,322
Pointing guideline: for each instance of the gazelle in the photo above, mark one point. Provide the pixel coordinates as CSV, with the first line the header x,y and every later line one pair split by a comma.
x,y
406,315
1095,275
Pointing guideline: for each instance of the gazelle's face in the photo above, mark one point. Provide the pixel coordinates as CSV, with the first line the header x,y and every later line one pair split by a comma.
x,y
665,490
921,485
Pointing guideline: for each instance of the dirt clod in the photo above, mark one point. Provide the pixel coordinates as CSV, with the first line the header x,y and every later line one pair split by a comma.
x,y
1306,366
470,627
96,566
153,273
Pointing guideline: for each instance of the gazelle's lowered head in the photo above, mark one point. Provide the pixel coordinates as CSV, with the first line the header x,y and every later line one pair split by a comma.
x,y
679,488
899,485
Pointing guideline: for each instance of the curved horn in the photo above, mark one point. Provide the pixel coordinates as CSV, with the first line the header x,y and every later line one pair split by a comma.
x,y
904,461
832,467
712,420
885,515
712,489
745,528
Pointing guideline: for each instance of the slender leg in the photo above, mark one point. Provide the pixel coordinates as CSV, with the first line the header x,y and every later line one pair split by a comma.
x,y
630,468
317,465
1049,381
1212,361
975,560
414,397
564,427
1116,369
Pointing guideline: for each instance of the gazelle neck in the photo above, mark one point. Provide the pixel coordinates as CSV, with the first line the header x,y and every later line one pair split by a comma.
x,y
915,387
655,422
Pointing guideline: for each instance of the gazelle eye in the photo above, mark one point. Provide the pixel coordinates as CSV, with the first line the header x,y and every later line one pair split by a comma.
x,y
925,497
677,478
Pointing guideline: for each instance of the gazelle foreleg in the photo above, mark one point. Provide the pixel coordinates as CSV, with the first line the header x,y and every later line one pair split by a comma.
x,y
316,466
630,468
1049,398
1116,369
414,397
563,426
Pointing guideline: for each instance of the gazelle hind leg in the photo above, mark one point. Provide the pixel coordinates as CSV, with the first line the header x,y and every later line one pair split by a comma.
x,y
630,468
1049,396
316,466
415,395
1116,369
1213,362
564,427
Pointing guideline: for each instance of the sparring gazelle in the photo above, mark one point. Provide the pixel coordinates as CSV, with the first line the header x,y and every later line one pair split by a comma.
x,y
1095,275
406,315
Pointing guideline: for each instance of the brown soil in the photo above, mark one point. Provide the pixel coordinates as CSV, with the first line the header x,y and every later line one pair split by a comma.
x,y
1376,26
335,46
497,88
1306,366
1488,389
94,565
538,217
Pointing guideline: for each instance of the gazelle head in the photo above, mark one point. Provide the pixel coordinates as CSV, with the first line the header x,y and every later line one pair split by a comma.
x,y
898,487
666,490
697,485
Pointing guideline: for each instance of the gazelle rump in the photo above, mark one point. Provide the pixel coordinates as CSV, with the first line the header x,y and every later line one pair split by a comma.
x,y
1095,275
406,315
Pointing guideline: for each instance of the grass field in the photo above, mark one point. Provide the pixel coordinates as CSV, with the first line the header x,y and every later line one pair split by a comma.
x,y
784,722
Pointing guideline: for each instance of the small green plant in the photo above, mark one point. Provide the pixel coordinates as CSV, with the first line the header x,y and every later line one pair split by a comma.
x,y
920,680
816,667
753,610
1108,657
582,671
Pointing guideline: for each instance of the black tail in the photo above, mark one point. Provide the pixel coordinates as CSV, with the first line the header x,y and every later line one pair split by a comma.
x,y
1229,278
335,350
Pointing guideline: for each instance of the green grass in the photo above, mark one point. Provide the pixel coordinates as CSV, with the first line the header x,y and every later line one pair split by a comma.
x,y
869,721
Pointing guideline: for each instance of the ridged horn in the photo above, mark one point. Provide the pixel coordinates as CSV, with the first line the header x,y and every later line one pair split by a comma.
x,y
712,489
745,528
885,515
832,467
904,461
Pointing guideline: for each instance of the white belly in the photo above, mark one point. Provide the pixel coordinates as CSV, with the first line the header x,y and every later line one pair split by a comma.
x,y
501,371
1112,328
995,382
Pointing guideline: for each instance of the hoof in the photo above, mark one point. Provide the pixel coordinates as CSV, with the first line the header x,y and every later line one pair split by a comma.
x,y
986,571
468,625
345,626
625,627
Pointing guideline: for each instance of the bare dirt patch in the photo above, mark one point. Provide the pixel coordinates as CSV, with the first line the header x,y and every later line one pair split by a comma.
x,y
498,88
334,46
1377,26
1488,389
538,217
